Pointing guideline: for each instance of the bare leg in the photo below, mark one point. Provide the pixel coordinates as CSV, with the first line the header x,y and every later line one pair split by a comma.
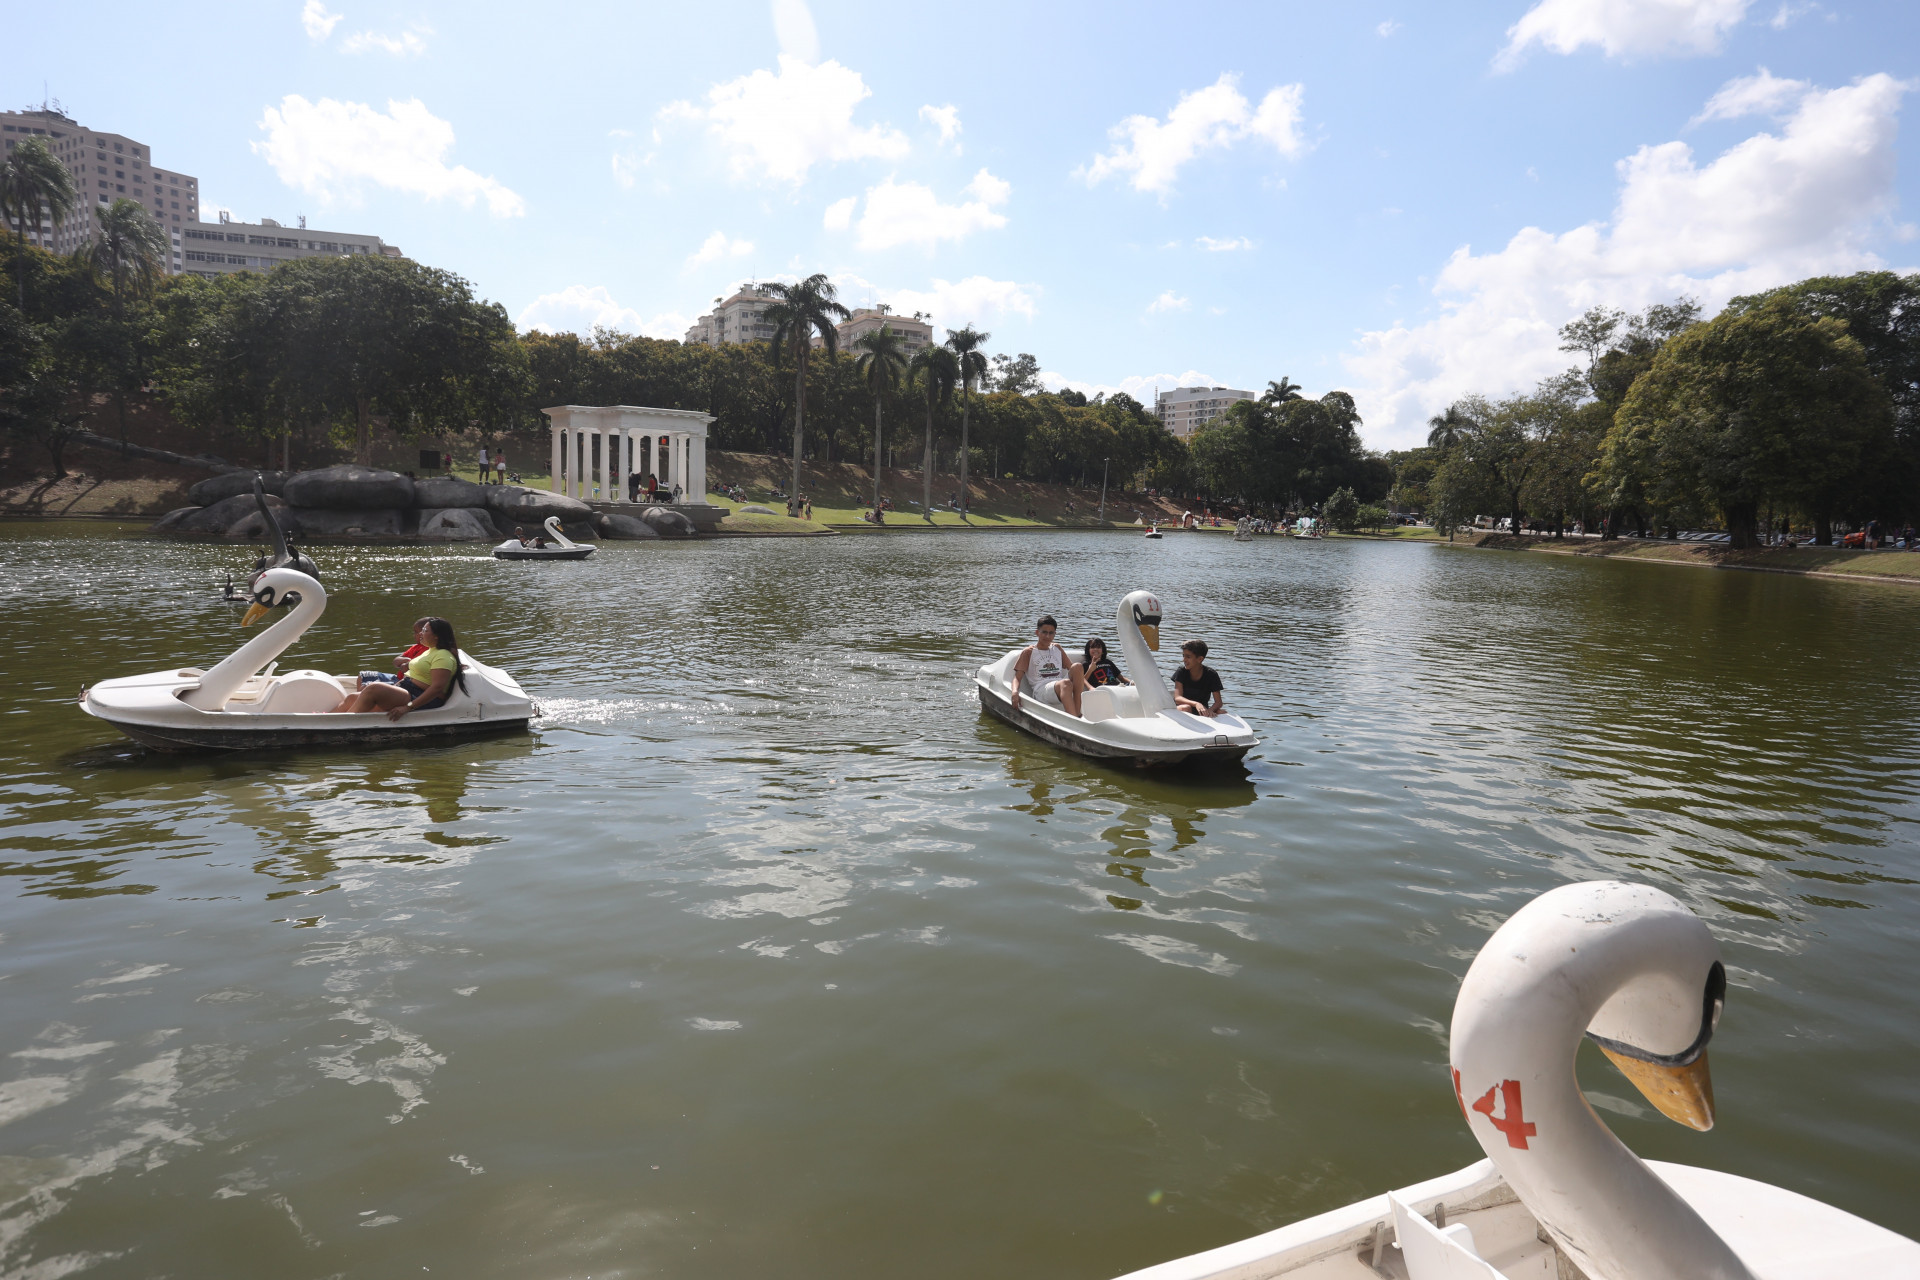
x,y
1068,691
377,697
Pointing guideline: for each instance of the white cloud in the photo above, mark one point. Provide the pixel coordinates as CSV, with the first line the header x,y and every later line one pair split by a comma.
x,y
1783,17
1387,28
317,20
1152,151
718,246
407,43
779,125
581,309
627,160
1767,211
952,303
1140,386
1762,94
330,149
946,119
900,213
1168,301
1224,246
793,28
840,214
1623,28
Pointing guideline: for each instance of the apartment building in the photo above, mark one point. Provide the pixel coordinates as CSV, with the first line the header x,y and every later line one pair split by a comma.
x,y
916,331
1183,409
105,167
740,318
223,247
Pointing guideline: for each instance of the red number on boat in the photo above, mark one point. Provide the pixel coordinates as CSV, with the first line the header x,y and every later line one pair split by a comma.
x,y
1514,1123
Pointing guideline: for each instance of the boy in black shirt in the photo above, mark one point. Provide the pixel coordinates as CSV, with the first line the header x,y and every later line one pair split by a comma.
x,y
1195,681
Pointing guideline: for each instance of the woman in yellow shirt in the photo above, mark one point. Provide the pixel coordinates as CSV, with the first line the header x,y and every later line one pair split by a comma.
x,y
430,678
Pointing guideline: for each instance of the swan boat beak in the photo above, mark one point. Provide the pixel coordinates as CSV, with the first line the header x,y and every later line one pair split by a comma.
x,y
255,612
1151,634
1681,1093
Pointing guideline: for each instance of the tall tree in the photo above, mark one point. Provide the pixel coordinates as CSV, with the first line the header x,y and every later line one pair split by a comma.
x,y
965,344
801,311
882,361
934,370
1280,392
1445,429
33,184
129,254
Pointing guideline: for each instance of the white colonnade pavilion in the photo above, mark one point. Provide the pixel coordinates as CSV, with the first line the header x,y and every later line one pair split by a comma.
x,y
599,446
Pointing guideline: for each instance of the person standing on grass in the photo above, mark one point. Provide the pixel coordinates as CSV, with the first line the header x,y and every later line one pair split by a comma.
x,y
500,468
483,464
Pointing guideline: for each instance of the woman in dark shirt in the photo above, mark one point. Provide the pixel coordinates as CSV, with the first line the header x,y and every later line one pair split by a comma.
x,y
1195,681
1099,668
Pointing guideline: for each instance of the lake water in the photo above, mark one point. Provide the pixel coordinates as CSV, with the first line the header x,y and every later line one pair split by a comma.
x,y
767,954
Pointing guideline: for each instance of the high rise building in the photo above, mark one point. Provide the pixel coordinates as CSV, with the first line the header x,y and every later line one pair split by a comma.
x,y
1184,409
741,318
223,247
916,331
105,167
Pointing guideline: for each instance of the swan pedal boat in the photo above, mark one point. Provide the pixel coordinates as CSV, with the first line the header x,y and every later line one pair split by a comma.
x,y
561,547
1134,722
244,703
1559,1197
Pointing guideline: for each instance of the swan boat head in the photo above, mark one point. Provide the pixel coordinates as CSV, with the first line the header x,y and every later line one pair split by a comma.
x,y
1630,968
278,587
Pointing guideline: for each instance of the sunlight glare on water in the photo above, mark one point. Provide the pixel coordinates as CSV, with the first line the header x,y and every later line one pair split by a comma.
x,y
767,953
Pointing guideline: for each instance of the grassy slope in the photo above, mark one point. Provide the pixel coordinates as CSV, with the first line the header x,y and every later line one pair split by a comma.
x,y
1826,561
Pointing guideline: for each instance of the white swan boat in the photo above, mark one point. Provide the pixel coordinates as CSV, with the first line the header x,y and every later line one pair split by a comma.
x,y
243,704
1153,531
1121,722
1559,1196
559,546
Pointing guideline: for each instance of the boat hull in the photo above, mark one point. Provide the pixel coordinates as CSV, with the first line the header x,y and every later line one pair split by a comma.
x,y
575,553
188,739
1144,756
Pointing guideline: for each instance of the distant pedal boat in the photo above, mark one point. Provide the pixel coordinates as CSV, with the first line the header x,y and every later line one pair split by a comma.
x,y
559,546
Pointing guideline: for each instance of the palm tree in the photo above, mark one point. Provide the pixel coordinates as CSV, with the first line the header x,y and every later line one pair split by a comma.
x,y
33,182
935,370
1280,392
965,344
130,252
1445,429
803,310
883,358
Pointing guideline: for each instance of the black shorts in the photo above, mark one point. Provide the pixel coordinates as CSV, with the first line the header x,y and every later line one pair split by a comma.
x,y
414,689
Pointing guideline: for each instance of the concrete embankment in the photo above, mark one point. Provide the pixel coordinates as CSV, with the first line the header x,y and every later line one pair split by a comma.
x,y
1819,562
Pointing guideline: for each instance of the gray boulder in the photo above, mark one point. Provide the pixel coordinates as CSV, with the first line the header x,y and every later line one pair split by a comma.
x,y
530,506
332,522
252,527
668,524
223,514
625,528
456,524
439,492
348,487
755,509
214,488
170,522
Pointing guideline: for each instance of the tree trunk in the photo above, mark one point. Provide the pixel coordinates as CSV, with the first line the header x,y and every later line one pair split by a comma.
x,y
1743,519
966,409
1514,502
363,420
1823,530
926,469
799,426
876,453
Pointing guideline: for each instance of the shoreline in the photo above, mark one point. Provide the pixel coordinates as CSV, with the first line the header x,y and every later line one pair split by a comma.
x,y
1713,556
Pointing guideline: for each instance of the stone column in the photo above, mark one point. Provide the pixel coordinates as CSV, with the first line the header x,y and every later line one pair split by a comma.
x,y
605,439
553,478
697,469
577,474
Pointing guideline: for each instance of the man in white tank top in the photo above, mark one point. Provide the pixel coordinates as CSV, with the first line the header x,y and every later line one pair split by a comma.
x,y
1042,672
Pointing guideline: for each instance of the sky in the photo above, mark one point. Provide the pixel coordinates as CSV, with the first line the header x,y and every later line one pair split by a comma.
x,y
1404,202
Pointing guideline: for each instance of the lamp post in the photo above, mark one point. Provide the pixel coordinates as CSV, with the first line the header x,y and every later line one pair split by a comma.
x,y
1103,489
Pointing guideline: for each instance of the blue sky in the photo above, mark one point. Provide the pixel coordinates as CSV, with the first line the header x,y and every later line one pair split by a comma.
x,y
1402,201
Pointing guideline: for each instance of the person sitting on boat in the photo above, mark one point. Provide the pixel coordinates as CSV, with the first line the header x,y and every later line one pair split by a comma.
x,y
422,641
1099,669
1043,673
1195,681
428,681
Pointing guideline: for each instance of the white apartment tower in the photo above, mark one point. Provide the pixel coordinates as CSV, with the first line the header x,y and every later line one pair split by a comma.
x,y
1183,410
741,318
916,331
105,167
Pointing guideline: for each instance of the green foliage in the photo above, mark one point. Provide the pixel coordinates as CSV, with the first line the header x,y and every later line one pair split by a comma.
x,y
1341,510
1762,405
1284,450
1372,516
33,182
